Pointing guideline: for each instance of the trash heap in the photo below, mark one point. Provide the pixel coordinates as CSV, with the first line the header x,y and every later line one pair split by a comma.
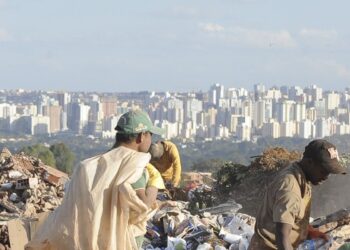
x,y
336,225
202,217
247,184
220,227
273,159
27,187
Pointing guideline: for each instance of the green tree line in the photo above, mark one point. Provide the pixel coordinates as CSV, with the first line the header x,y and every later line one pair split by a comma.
x,y
57,155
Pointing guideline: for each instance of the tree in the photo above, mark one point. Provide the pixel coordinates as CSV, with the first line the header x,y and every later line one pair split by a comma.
x,y
211,165
42,152
63,156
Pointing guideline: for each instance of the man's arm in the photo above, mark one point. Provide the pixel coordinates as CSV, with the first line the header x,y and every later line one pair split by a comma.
x,y
148,195
282,236
176,162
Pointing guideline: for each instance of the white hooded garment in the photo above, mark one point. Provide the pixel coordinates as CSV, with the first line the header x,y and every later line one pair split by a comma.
x,y
99,208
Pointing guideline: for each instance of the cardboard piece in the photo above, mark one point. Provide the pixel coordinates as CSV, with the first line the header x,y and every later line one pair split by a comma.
x,y
18,234
21,231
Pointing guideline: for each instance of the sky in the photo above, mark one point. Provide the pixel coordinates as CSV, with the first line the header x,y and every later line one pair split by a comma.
x,y
162,45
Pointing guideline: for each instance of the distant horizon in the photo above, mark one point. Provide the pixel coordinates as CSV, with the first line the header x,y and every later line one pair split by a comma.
x,y
250,88
176,46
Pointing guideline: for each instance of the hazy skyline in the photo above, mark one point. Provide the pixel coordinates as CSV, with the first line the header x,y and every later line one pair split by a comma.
x,y
173,45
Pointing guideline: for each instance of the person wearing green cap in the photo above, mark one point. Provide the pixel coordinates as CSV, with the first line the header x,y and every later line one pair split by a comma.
x,y
101,209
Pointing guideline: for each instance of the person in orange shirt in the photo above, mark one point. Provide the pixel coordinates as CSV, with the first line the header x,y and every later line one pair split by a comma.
x,y
166,158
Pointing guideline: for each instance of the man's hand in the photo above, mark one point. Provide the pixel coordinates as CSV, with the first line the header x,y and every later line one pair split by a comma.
x,y
314,233
169,185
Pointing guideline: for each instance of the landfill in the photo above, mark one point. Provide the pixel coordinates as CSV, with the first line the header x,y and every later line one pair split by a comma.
x,y
194,217
27,187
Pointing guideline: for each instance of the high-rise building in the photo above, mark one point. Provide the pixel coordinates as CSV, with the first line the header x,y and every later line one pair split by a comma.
x,y
192,106
7,110
54,113
320,106
274,94
271,129
306,129
216,92
285,111
322,128
234,121
211,117
288,129
299,112
247,108
259,113
109,105
39,125
78,117
64,99
294,93
259,91
244,132
332,101
343,129
316,93
96,111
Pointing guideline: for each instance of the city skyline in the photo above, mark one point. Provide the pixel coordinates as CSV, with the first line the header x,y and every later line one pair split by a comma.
x,y
176,46
220,113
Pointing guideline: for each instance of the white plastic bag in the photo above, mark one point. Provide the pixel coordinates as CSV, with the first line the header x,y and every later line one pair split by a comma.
x,y
176,244
204,246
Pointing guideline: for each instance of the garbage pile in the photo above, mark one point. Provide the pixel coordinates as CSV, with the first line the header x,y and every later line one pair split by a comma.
x,y
220,227
247,184
274,158
336,225
202,217
27,187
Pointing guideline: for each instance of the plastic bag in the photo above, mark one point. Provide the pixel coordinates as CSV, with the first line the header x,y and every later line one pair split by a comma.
x,y
176,244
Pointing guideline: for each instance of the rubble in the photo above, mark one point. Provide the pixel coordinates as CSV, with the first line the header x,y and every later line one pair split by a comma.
x,y
221,227
209,221
247,184
27,188
201,216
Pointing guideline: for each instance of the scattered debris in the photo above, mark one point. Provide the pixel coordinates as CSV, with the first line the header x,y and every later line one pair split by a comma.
x,y
174,227
27,187
200,216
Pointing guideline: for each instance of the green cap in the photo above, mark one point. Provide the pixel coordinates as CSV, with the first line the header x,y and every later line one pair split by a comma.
x,y
137,121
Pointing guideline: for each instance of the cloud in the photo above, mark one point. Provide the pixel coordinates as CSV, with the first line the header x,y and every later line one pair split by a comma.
x,y
263,38
184,11
340,70
2,3
318,34
4,35
251,37
328,67
211,27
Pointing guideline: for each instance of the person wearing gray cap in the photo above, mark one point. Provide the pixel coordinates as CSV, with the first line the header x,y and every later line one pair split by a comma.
x,y
283,218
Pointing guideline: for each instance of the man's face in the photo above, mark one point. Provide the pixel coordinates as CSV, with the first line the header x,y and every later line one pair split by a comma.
x,y
157,150
146,140
317,174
